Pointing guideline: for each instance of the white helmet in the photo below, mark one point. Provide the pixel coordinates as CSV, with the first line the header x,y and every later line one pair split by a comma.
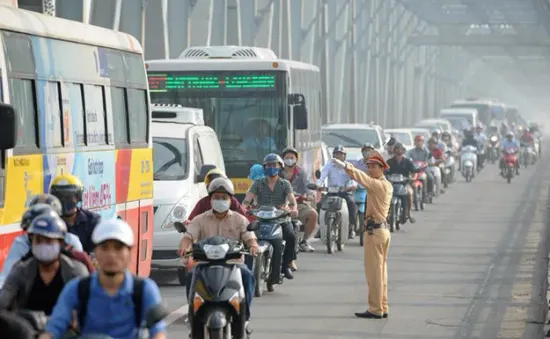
x,y
113,229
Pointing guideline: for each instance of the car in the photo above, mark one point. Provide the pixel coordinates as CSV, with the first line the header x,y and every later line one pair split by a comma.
x,y
402,135
353,136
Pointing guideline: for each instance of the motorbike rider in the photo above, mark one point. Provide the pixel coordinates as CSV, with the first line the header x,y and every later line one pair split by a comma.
x,y
336,176
401,165
481,139
36,282
526,138
438,155
509,143
276,191
421,153
21,245
107,301
81,222
204,205
436,134
447,139
221,221
299,180
362,163
389,148
503,129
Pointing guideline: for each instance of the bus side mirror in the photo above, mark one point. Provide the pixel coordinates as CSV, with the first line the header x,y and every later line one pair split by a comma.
x,y
204,171
8,127
298,102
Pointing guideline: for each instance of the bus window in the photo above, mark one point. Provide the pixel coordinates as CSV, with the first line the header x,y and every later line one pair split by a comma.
x,y
137,111
22,98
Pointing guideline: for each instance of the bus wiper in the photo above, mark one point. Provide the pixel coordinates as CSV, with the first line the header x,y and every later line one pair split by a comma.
x,y
346,139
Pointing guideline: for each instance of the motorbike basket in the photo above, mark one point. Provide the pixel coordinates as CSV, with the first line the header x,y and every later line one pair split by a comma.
x,y
331,203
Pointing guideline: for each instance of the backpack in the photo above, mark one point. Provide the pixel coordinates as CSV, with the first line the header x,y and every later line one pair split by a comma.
x,y
84,296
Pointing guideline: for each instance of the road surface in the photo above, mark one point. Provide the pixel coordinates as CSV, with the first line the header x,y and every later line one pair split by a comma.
x,y
462,271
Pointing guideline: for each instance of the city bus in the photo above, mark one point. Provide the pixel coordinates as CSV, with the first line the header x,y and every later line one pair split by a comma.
x,y
256,103
488,110
81,103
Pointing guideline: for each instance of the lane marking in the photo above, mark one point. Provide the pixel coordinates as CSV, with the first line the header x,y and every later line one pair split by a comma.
x,y
177,314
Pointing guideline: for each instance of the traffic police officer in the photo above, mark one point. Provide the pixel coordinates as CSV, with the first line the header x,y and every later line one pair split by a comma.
x,y
68,189
377,236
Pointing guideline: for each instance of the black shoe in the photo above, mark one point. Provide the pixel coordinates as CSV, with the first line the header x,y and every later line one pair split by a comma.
x,y
385,316
368,315
287,272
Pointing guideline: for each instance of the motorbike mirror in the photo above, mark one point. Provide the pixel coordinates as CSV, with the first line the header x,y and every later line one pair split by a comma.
x,y
317,174
155,314
312,186
180,227
253,226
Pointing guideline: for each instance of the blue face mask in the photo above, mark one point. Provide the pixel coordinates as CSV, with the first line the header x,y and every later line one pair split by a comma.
x,y
271,171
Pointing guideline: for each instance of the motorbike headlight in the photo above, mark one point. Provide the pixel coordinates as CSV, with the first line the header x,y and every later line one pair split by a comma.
x,y
494,139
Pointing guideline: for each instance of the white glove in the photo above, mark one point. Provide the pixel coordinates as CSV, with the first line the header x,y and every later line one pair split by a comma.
x,y
339,163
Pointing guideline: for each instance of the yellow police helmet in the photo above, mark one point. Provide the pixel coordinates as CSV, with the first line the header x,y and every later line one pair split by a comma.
x,y
213,174
65,184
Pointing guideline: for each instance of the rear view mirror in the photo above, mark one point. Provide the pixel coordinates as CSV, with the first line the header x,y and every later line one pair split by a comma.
x,y
180,227
298,105
253,226
204,170
8,127
312,186
318,174
155,314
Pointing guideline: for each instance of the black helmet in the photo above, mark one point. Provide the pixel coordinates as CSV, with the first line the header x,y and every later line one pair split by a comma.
x,y
367,145
398,145
272,158
391,142
339,148
289,150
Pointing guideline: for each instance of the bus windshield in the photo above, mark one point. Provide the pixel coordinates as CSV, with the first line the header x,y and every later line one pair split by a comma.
x,y
246,109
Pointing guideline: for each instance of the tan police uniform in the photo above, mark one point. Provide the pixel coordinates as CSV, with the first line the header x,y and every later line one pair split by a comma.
x,y
376,245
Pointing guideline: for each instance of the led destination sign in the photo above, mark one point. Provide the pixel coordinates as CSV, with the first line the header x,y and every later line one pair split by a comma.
x,y
173,82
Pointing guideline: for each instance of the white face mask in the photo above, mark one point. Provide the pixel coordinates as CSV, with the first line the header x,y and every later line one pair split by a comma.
x,y
220,206
46,253
289,162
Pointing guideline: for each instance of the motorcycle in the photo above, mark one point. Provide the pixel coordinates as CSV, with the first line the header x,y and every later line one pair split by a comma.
x,y
417,183
334,212
509,163
527,154
398,207
449,169
217,303
480,153
268,228
468,162
360,201
492,149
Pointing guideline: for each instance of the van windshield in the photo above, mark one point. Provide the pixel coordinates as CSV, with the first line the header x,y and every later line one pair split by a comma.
x,y
170,159
402,137
350,137
457,119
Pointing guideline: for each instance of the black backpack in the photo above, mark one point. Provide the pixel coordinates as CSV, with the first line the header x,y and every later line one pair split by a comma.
x,y
84,296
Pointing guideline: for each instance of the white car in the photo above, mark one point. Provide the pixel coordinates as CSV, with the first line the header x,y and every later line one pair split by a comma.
x,y
402,135
353,137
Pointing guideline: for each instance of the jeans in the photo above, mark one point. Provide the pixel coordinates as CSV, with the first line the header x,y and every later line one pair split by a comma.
x,y
352,208
248,284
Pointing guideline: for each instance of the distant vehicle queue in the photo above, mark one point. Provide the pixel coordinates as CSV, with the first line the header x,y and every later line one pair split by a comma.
x,y
224,136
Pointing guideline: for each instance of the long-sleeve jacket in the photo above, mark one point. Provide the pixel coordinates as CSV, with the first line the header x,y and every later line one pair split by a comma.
x,y
379,192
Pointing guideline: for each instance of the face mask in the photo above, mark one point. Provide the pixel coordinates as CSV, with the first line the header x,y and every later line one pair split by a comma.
x,y
220,206
46,253
290,162
271,171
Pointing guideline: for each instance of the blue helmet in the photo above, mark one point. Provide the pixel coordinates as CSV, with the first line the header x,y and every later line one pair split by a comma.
x,y
49,226
256,172
33,211
272,158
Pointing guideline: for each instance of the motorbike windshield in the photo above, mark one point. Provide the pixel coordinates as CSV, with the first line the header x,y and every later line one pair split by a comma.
x,y
396,177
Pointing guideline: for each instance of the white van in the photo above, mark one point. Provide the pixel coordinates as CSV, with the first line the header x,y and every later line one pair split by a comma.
x,y
184,150
456,114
